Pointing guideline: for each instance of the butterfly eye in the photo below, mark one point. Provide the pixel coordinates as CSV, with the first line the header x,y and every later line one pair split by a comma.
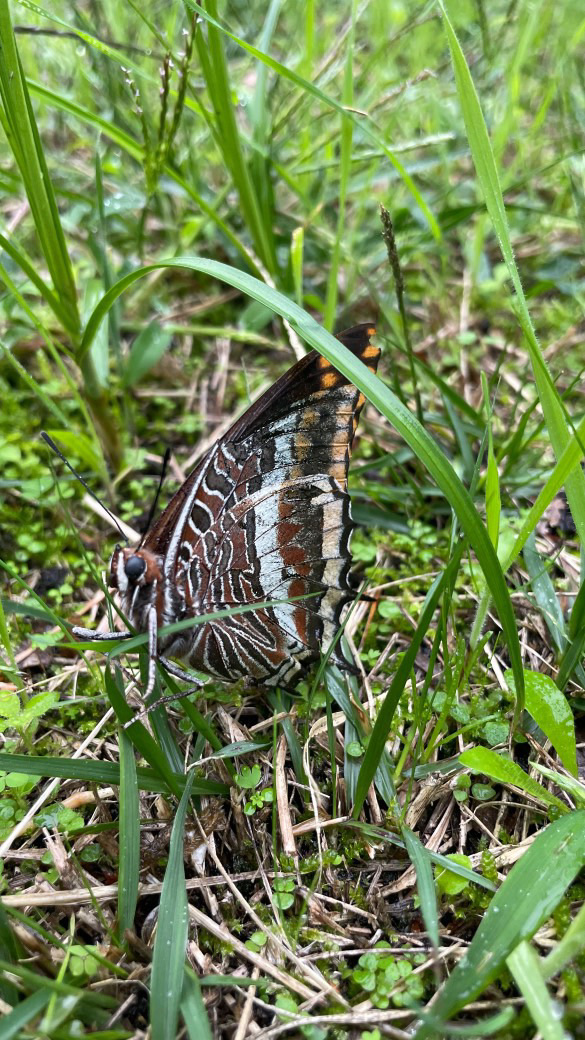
x,y
134,567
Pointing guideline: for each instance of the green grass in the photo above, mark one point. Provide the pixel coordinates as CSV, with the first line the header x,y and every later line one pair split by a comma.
x,y
191,195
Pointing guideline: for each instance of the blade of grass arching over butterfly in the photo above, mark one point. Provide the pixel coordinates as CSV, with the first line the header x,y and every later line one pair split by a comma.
x,y
310,88
421,442
215,71
19,124
483,158
344,169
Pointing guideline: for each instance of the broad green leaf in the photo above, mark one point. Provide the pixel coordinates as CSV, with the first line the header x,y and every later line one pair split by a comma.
x,y
551,711
448,882
483,760
528,896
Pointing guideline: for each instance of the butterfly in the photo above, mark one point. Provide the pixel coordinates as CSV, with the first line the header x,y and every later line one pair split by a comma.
x,y
264,517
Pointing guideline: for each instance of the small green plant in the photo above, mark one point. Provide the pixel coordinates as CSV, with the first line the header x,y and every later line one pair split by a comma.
x,y
258,800
82,962
256,942
248,778
388,978
283,889
287,1002
449,883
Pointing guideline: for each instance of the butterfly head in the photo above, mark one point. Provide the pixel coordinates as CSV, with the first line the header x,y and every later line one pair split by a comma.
x,y
133,568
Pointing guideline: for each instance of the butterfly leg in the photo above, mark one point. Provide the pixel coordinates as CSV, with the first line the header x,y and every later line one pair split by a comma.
x,y
152,651
91,634
180,673
170,667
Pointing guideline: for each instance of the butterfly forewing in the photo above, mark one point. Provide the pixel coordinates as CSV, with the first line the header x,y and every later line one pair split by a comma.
x,y
265,516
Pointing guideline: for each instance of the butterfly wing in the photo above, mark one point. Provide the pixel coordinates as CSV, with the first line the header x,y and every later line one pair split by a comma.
x,y
265,516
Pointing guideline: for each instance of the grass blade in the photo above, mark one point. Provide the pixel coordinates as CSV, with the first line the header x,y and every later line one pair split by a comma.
x,y
24,1013
524,964
106,773
425,883
214,66
569,947
193,1009
497,767
129,837
344,169
544,593
168,960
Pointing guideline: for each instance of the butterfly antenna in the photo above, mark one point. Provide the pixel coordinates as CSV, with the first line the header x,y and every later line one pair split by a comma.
x,y
163,474
54,448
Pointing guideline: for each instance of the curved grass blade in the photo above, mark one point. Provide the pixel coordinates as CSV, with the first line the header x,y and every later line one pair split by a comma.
x,y
168,960
106,773
425,883
528,896
387,403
